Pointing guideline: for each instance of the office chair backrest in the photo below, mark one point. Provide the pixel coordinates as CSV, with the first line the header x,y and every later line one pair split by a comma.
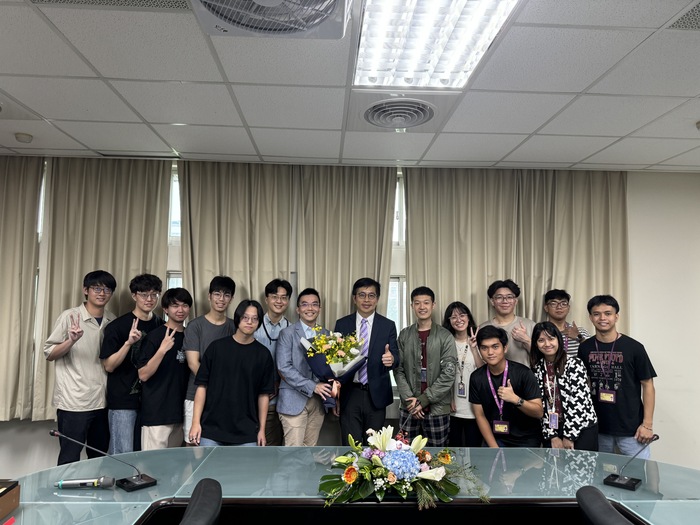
x,y
597,509
205,504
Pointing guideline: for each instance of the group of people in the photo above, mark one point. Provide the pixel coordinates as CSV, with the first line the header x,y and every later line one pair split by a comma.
x,y
141,382
512,382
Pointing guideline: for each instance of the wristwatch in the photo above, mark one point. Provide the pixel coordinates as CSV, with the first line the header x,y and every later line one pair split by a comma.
x,y
520,402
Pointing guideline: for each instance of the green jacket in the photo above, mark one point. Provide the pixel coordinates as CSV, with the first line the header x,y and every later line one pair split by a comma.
x,y
442,367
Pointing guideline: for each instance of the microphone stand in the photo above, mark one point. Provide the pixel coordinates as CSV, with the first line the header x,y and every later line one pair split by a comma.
x,y
130,484
624,482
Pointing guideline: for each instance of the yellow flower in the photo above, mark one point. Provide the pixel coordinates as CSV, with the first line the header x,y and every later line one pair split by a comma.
x,y
424,456
444,457
350,474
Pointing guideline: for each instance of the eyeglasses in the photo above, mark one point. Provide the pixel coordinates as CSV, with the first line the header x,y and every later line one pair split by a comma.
x,y
97,290
275,298
558,304
221,295
504,298
249,319
310,305
148,296
370,296
458,317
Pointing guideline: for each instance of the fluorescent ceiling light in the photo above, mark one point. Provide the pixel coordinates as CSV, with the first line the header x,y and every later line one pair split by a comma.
x,y
426,43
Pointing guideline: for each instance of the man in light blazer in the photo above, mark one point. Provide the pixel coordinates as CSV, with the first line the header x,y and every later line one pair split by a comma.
x,y
301,394
364,398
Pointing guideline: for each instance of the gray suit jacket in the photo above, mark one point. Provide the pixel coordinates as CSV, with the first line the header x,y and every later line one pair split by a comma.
x,y
298,381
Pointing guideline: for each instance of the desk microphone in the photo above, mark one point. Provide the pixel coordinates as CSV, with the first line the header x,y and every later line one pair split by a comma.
x,y
139,481
624,482
103,482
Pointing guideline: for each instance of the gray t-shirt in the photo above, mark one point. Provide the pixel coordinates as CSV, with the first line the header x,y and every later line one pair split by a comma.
x,y
199,334
516,350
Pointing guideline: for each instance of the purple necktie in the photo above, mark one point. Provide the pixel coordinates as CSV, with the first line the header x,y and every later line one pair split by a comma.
x,y
364,335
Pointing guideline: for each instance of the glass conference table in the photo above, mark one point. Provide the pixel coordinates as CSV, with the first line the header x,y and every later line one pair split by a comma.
x,y
284,481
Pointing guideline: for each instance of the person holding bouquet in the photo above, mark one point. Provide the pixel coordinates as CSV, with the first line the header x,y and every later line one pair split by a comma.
x,y
301,393
368,392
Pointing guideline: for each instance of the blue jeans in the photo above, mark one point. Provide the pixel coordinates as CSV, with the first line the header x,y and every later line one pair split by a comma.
x,y
121,430
205,442
627,445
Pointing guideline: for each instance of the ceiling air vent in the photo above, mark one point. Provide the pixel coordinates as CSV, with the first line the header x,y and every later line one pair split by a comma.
x,y
689,21
320,19
399,113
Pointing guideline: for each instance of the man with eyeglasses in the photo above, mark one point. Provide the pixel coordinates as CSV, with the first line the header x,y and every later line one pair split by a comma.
x,y
79,389
277,294
557,304
301,395
504,298
364,399
120,349
234,385
204,330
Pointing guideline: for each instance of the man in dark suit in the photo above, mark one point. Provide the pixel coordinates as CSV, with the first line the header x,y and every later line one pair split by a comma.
x,y
365,396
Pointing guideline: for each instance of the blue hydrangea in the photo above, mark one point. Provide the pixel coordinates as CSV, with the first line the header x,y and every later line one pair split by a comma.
x,y
403,463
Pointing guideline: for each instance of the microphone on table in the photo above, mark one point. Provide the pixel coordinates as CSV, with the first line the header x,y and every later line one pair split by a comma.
x,y
624,482
104,482
139,481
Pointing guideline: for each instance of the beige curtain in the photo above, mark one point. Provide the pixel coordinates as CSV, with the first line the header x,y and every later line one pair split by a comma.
x,y
99,214
543,229
344,232
236,221
20,190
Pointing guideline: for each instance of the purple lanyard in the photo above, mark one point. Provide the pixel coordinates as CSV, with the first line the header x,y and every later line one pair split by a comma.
x,y
499,402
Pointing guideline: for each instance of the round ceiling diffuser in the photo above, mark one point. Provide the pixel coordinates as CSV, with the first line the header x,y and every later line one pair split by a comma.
x,y
399,113
272,16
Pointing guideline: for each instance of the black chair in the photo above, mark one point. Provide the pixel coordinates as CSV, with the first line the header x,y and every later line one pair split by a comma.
x,y
597,509
205,504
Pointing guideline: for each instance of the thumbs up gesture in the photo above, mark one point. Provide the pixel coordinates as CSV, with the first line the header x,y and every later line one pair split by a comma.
x,y
387,357
506,393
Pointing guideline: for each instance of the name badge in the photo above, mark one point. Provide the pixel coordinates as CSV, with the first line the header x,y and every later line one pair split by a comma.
x,y
553,420
423,375
606,396
501,427
461,390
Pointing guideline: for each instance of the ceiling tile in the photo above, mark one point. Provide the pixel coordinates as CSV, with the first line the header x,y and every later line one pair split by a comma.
x,y
114,136
643,150
552,148
207,139
296,143
681,123
181,102
45,135
288,107
70,98
385,145
608,115
472,147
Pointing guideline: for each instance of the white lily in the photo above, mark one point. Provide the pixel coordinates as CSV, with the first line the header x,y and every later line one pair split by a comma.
x,y
382,440
434,474
418,444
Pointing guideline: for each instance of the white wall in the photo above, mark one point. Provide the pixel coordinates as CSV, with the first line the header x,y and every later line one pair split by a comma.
x,y
664,234
664,238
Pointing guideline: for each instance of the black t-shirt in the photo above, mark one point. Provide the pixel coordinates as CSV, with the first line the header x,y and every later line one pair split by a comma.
x,y
235,375
123,389
524,383
163,394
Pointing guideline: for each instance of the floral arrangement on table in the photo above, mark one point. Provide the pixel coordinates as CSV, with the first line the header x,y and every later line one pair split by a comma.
x,y
333,357
392,464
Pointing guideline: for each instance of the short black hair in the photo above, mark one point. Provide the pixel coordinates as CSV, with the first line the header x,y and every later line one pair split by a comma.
x,y
556,294
222,283
145,283
422,290
274,284
597,300
99,277
491,332
508,283
242,307
175,295
308,291
366,282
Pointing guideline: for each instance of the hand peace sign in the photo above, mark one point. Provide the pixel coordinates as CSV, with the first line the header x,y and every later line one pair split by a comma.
x,y
74,330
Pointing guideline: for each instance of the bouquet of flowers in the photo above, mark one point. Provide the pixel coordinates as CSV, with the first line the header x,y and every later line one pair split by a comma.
x,y
333,357
389,464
